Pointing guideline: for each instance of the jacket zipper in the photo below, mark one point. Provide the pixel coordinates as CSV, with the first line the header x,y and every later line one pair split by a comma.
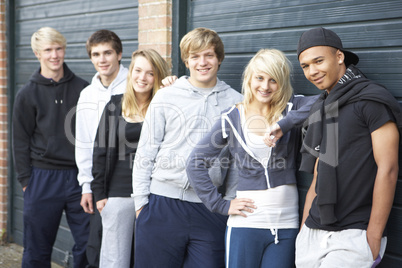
x,y
187,183
245,147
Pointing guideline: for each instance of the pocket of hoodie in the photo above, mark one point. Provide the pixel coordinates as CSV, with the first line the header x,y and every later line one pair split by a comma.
x,y
56,149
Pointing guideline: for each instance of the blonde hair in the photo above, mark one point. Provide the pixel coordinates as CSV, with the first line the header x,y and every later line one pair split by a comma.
x,y
274,63
46,35
160,70
200,39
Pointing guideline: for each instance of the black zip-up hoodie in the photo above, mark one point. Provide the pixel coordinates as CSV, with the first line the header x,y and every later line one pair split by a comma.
x,y
105,154
43,124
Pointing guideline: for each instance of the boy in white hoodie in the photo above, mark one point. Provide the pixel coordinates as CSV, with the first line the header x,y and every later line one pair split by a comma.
x,y
173,227
104,49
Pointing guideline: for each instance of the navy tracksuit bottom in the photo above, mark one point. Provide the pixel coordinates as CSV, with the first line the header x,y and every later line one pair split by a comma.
x,y
172,233
48,194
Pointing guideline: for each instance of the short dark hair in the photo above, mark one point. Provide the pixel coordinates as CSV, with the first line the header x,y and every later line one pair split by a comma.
x,y
104,36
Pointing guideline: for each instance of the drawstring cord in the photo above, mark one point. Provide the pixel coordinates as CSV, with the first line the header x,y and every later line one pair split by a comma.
x,y
216,98
324,241
224,134
275,233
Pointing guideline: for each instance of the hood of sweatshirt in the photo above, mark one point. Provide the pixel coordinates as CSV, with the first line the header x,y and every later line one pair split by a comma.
x,y
183,84
120,78
40,79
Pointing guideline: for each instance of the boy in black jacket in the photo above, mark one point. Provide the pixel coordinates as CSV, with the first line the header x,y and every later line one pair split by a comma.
x,y
43,149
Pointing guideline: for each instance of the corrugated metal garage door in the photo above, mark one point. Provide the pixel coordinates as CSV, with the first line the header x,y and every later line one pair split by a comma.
x,y
76,20
370,28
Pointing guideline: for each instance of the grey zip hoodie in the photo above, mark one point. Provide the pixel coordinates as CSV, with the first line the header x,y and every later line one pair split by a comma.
x,y
177,118
252,175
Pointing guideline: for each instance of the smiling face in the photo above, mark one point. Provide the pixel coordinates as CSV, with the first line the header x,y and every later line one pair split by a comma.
x,y
203,66
323,66
263,87
51,58
106,62
142,76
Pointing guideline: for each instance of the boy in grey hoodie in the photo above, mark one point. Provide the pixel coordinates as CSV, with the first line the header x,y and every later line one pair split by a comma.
x,y
174,228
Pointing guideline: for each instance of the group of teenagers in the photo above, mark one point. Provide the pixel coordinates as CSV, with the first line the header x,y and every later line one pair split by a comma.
x,y
155,171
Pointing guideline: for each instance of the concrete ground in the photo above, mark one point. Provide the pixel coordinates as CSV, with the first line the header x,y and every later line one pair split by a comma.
x,y
11,255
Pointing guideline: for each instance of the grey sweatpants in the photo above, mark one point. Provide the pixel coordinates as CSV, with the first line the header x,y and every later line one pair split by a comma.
x,y
347,248
118,217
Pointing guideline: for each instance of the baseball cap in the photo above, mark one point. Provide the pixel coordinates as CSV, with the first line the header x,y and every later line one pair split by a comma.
x,y
324,37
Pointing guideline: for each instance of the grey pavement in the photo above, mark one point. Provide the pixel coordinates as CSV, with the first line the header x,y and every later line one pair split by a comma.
x,y
11,256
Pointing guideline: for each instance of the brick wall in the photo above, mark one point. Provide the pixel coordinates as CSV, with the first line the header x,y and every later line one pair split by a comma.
x,y
155,26
3,121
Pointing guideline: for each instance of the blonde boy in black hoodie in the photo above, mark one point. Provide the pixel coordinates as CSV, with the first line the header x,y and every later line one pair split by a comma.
x,y
44,154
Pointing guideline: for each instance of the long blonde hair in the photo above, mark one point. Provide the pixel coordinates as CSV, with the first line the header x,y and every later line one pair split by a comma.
x,y
274,63
160,68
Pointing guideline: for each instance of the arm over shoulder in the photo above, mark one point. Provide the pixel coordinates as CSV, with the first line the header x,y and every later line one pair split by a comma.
x,y
299,112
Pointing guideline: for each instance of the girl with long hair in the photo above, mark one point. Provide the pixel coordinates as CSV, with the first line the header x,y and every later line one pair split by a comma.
x,y
115,147
263,218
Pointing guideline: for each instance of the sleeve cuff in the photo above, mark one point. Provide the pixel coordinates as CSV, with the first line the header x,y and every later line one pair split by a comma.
x,y
86,188
226,207
285,125
140,201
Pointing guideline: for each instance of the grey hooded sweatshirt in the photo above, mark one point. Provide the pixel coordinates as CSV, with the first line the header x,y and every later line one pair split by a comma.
x,y
177,118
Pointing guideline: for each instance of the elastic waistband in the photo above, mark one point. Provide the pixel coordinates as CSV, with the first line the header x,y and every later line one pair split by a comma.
x,y
165,189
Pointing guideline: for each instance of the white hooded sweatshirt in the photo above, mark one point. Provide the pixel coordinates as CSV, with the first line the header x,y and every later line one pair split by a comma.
x,y
90,107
